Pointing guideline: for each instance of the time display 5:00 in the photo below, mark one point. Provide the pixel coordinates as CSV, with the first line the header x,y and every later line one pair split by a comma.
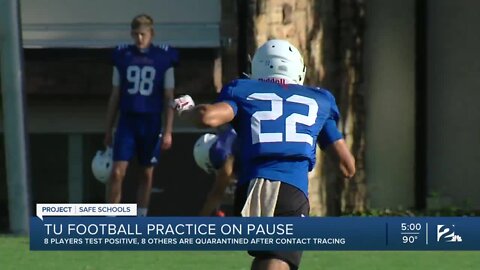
x,y
410,232
411,226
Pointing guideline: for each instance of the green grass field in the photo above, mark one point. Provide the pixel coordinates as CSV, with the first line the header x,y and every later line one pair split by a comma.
x,y
15,254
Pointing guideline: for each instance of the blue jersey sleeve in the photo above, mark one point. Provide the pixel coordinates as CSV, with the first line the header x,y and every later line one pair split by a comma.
x,y
334,112
330,133
227,96
222,148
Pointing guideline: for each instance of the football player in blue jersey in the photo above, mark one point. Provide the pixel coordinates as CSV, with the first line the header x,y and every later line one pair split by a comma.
x,y
215,153
278,122
143,84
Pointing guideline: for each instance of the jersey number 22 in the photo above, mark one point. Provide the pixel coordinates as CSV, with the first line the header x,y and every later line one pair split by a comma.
x,y
291,134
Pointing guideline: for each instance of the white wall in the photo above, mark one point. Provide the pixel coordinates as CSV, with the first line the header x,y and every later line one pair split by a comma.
x,y
453,147
389,64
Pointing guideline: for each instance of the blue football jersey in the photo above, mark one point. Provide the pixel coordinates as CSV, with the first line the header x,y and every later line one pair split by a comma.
x,y
142,76
278,126
223,147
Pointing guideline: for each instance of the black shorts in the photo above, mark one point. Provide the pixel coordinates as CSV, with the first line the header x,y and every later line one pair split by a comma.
x,y
291,202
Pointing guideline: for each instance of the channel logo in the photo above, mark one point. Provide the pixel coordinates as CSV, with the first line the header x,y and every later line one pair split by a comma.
x,y
447,234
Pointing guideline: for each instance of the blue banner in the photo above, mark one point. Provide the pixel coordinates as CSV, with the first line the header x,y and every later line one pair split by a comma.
x,y
235,233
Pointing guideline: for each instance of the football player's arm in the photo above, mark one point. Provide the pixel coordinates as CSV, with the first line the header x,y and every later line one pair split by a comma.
x,y
169,85
223,178
210,115
112,107
332,142
339,151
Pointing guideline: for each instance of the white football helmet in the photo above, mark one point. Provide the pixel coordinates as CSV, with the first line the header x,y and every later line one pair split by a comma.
x,y
278,59
102,165
201,151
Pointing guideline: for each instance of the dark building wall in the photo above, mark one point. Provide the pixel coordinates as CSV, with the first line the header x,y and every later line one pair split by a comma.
x,y
87,73
67,81
183,185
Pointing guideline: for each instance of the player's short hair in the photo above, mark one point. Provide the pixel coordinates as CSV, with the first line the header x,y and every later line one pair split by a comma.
x,y
142,20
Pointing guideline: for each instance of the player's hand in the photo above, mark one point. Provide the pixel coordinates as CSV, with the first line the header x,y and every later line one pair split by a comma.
x,y
166,141
183,103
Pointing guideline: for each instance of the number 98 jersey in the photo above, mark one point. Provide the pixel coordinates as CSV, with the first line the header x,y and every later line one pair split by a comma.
x,y
278,126
142,76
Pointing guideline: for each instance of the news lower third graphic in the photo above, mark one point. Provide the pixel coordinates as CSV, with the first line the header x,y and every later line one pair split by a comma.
x,y
116,227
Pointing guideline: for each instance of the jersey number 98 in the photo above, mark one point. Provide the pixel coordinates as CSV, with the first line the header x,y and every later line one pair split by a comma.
x,y
142,80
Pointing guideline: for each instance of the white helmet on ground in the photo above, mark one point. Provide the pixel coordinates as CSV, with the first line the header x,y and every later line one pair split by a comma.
x,y
201,151
102,165
278,59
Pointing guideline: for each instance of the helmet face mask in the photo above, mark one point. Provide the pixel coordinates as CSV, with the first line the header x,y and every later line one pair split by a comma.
x,y
102,165
201,151
278,59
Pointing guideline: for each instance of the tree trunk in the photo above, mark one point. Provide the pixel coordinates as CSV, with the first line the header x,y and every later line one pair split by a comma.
x,y
329,33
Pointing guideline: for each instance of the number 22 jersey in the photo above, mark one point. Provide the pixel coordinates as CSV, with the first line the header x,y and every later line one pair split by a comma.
x,y
278,126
